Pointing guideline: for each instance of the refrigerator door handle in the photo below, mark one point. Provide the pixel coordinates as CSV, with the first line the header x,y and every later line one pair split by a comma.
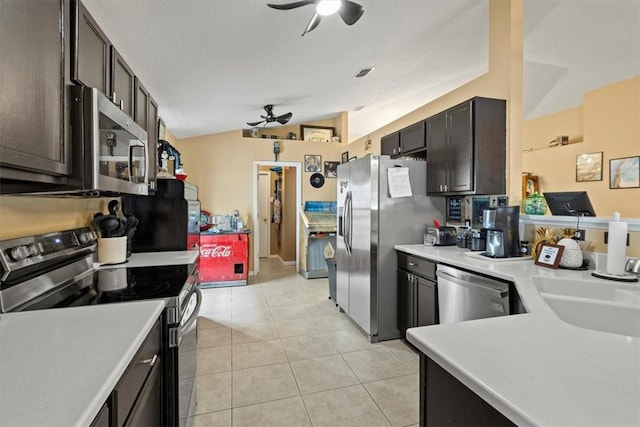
x,y
348,224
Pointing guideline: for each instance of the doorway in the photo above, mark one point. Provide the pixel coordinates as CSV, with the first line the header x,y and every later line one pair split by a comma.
x,y
264,214
258,222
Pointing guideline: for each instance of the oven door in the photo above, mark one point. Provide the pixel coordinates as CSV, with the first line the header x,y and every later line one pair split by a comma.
x,y
187,342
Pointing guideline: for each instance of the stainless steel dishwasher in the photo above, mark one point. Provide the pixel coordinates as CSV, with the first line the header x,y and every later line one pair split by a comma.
x,y
467,296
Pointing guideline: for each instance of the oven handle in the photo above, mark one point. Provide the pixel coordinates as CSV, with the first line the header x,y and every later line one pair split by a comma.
x,y
194,315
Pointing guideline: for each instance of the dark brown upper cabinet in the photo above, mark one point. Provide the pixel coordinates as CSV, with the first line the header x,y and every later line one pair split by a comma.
x,y
34,111
141,110
91,51
390,144
466,149
412,138
122,83
146,115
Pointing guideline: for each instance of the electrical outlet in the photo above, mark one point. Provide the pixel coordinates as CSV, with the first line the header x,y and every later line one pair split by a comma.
x,y
606,238
579,235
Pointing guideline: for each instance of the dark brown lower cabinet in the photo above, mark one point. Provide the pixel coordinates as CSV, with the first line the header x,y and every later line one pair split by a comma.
x,y
445,401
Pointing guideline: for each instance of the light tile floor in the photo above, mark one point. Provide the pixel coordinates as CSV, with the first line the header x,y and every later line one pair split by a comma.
x,y
278,352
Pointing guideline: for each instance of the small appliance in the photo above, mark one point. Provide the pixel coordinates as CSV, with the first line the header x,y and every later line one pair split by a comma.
x,y
440,236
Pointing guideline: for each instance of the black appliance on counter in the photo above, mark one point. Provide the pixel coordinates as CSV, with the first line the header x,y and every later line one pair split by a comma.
x,y
55,270
169,220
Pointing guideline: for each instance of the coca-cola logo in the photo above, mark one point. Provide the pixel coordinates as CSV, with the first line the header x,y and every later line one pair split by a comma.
x,y
216,252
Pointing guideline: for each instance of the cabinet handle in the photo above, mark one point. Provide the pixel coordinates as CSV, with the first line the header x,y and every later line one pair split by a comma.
x,y
151,361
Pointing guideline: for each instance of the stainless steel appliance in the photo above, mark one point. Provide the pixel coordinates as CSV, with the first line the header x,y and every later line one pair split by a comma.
x,y
55,270
112,150
501,231
169,220
440,236
370,222
467,296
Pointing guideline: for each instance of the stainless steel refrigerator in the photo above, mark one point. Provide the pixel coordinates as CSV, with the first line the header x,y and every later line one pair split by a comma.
x,y
370,223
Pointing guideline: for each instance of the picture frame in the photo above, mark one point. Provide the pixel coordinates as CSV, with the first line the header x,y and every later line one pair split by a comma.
x,y
624,173
529,186
331,169
162,129
317,133
345,157
312,163
549,255
589,167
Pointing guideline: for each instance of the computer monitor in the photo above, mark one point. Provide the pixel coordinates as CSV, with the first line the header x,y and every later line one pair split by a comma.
x,y
570,203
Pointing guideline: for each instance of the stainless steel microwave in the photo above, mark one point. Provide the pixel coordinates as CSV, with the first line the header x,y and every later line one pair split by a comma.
x,y
110,150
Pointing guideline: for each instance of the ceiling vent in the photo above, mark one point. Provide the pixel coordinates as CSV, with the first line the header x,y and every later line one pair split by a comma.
x,y
363,73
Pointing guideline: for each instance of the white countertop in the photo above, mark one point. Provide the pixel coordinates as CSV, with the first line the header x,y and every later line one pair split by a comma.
x,y
58,366
534,368
149,259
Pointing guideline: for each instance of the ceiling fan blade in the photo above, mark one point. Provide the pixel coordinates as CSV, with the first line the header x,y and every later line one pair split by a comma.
x,y
283,119
253,124
293,5
315,20
350,12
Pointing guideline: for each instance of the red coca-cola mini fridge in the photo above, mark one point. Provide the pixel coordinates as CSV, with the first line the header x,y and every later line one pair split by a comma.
x,y
224,259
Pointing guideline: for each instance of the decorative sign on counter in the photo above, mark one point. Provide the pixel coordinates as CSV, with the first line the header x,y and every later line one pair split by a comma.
x,y
549,255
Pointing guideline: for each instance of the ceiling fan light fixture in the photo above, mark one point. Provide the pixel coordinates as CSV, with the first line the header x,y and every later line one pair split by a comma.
x,y
328,7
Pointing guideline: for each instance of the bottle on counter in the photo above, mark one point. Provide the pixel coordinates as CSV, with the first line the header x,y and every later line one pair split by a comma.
x,y
616,245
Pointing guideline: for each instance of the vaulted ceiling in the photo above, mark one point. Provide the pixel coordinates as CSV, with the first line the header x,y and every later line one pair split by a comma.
x,y
213,64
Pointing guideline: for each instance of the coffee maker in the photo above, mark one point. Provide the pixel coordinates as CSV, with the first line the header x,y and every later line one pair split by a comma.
x,y
502,235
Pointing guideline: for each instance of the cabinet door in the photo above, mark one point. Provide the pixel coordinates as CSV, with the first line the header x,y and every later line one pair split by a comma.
x,y
91,51
426,302
122,82
406,301
390,144
412,138
460,150
153,142
141,110
436,130
146,411
34,108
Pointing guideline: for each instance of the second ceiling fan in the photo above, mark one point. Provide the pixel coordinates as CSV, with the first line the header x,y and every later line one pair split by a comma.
x,y
349,11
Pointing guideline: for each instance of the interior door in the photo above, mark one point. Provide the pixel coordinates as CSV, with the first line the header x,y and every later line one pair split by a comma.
x,y
264,213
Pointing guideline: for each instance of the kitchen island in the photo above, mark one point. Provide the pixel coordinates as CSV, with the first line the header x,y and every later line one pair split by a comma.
x,y
58,367
534,368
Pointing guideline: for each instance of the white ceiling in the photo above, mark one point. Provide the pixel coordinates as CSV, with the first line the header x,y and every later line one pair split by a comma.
x,y
213,64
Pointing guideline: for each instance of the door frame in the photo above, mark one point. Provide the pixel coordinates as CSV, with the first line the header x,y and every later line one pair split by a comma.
x,y
256,221
260,201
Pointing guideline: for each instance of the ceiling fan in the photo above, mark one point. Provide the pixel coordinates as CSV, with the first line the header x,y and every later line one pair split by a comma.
x,y
349,11
270,118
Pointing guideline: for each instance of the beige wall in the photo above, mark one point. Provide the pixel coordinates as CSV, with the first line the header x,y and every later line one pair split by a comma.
x,y
502,81
609,122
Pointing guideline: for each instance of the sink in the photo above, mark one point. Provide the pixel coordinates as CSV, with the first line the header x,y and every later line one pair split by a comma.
x,y
629,294
611,318
601,306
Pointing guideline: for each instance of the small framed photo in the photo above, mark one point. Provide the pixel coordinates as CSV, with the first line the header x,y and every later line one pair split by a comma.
x,y
549,255
624,172
312,163
316,133
589,167
331,169
345,157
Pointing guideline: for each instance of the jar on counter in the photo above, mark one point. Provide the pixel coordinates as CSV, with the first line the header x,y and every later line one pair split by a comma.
x,y
535,205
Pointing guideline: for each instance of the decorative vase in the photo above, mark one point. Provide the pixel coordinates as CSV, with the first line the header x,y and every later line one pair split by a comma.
x,y
572,254
535,205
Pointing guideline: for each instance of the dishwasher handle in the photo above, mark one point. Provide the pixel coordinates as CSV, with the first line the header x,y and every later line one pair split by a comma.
x,y
497,290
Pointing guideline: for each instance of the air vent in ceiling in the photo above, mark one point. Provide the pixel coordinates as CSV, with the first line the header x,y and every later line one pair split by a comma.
x,y
363,73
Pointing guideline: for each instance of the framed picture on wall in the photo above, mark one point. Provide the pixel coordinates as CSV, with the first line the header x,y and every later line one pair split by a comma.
x,y
589,167
316,133
624,172
345,157
331,169
312,163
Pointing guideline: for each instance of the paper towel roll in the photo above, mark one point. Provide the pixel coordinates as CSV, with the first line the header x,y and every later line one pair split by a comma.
x,y
617,245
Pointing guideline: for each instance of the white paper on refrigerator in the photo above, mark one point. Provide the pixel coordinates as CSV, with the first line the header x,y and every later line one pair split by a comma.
x,y
398,181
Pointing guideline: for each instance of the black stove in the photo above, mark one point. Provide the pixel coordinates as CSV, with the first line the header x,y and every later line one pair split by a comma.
x,y
56,270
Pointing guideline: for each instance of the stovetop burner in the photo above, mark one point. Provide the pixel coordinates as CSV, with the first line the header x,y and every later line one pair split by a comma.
x,y
136,291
